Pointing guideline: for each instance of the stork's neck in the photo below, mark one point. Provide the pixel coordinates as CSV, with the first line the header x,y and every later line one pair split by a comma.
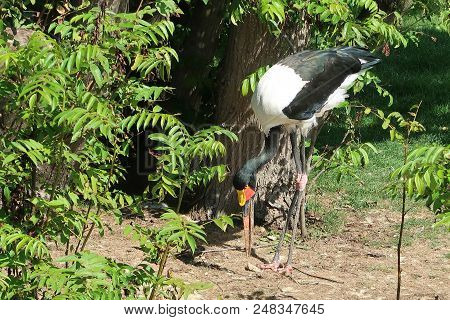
x,y
248,171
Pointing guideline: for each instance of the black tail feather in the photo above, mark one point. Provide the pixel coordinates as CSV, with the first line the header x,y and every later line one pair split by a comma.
x,y
362,54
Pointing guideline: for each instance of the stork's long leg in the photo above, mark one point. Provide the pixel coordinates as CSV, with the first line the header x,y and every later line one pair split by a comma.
x,y
295,151
276,258
301,193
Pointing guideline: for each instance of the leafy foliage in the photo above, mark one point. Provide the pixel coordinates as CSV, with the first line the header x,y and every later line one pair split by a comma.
x,y
426,176
74,95
251,81
336,22
182,154
352,22
345,160
333,23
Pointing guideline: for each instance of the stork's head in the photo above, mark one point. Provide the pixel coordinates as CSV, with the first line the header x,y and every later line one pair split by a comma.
x,y
244,183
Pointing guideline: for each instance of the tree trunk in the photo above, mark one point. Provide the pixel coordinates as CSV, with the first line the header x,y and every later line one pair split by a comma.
x,y
251,46
394,5
115,5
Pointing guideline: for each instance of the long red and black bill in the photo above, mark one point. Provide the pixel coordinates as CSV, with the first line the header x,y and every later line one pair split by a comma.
x,y
244,197
247,220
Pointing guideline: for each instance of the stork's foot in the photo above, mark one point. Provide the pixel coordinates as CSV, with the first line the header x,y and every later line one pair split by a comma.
x,y
274,266
286,270
301,181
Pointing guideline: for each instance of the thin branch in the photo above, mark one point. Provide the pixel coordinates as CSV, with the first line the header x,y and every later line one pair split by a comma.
x,y
318,277
333,151
162,264
234,249
113,162
140,5
84,227
314,180
404,211
314,140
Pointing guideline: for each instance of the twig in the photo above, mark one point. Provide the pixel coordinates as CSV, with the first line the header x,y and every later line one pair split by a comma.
x,y
162,264
84,227
302,283
314,139
140,5
338,146
229,249
313,180
318,277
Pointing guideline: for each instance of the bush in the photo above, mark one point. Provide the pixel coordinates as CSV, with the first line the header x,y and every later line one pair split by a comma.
x,y
72,98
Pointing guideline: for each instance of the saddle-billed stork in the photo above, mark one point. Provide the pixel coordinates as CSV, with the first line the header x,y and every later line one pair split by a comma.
x,y
295,93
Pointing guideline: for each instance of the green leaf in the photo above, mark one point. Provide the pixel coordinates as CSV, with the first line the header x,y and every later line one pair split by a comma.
x,y
419,184
392,134
137,62
95,70
427,178
32,101
245,87
410,187
127,230
7,193
191,241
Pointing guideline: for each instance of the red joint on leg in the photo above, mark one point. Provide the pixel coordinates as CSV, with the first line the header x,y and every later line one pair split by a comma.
x,y
301,181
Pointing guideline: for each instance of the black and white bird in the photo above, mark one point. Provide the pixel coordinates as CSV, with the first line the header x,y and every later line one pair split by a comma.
x,y
295,93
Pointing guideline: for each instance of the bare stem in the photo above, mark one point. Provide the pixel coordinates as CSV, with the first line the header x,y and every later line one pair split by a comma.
x,y
162,265
84,227
404,211
116,151
180,199
402,224
66,252
88,234
399,244
140,5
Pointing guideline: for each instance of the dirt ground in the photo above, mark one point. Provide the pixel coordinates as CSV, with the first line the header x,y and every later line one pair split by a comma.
x,y
358,262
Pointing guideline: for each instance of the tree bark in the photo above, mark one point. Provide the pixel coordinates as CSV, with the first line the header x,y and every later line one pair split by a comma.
x,y
394,5
115,5
251,46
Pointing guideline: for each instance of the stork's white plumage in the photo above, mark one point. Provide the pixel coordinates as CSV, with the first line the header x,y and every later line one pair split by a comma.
x,y
275,90
295,92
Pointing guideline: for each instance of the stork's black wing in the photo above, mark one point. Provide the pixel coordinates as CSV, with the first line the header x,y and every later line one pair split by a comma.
x,y
325,71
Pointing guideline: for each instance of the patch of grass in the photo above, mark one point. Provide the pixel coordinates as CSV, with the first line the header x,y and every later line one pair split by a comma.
x,y
368,190
332,223
416,229
419,228
380,267
376,243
